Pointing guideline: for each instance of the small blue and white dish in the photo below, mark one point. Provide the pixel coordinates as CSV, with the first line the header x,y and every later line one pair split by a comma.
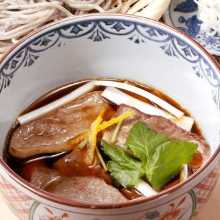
x,y
183,14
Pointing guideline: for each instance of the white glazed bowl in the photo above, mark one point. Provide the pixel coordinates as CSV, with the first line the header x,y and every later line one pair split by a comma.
x,y
121,47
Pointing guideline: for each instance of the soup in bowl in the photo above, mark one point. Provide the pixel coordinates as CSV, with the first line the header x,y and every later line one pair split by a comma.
x,y
108,117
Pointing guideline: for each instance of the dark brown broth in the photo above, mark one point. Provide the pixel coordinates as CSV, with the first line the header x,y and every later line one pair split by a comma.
x,y
18,165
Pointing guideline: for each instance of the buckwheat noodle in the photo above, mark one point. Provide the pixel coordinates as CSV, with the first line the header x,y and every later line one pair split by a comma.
x,y
19,17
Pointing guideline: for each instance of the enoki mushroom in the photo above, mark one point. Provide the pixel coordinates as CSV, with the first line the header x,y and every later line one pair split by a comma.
x,y
19,17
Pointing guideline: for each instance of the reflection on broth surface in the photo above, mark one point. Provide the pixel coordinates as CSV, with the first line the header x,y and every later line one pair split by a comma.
x,y
112,141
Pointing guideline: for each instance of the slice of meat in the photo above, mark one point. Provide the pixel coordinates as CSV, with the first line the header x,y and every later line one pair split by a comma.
x,y
51,132
73,164
38,174
158,124
86,189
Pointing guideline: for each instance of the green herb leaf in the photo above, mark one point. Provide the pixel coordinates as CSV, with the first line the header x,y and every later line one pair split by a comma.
x,y
126,170
142,141
125,177
163,157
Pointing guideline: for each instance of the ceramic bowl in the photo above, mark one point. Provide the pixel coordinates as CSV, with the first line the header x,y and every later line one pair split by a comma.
x,y
120,47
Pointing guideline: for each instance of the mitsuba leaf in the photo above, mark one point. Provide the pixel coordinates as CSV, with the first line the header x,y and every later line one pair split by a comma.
x,y
126,170
161,156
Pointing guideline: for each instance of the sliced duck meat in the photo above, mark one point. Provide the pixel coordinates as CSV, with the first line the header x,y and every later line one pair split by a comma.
x,y
158,124
87,189
38,174
51,132
73,164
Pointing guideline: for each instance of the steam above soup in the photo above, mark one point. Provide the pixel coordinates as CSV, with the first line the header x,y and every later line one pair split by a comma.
x,y
105,142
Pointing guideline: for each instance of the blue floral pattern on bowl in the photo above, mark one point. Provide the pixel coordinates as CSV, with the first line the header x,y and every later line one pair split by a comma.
x,y
100,30
183,14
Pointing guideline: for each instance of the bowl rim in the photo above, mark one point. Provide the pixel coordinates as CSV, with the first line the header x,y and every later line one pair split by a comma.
x,y
74,203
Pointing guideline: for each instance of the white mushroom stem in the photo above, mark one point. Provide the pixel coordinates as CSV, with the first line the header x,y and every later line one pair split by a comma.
x,y
145,189
160,102
185,123
155,9
184,173
118,97
56,104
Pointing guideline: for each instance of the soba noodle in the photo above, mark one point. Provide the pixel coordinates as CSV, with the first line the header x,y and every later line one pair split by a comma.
x,y
19,17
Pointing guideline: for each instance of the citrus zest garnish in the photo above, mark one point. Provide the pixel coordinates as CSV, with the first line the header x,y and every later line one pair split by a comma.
x,y
116,120
99,125
92,137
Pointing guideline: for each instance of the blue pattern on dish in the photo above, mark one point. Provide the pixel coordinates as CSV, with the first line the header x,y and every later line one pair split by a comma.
x,y
99,30
186,6
183,14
